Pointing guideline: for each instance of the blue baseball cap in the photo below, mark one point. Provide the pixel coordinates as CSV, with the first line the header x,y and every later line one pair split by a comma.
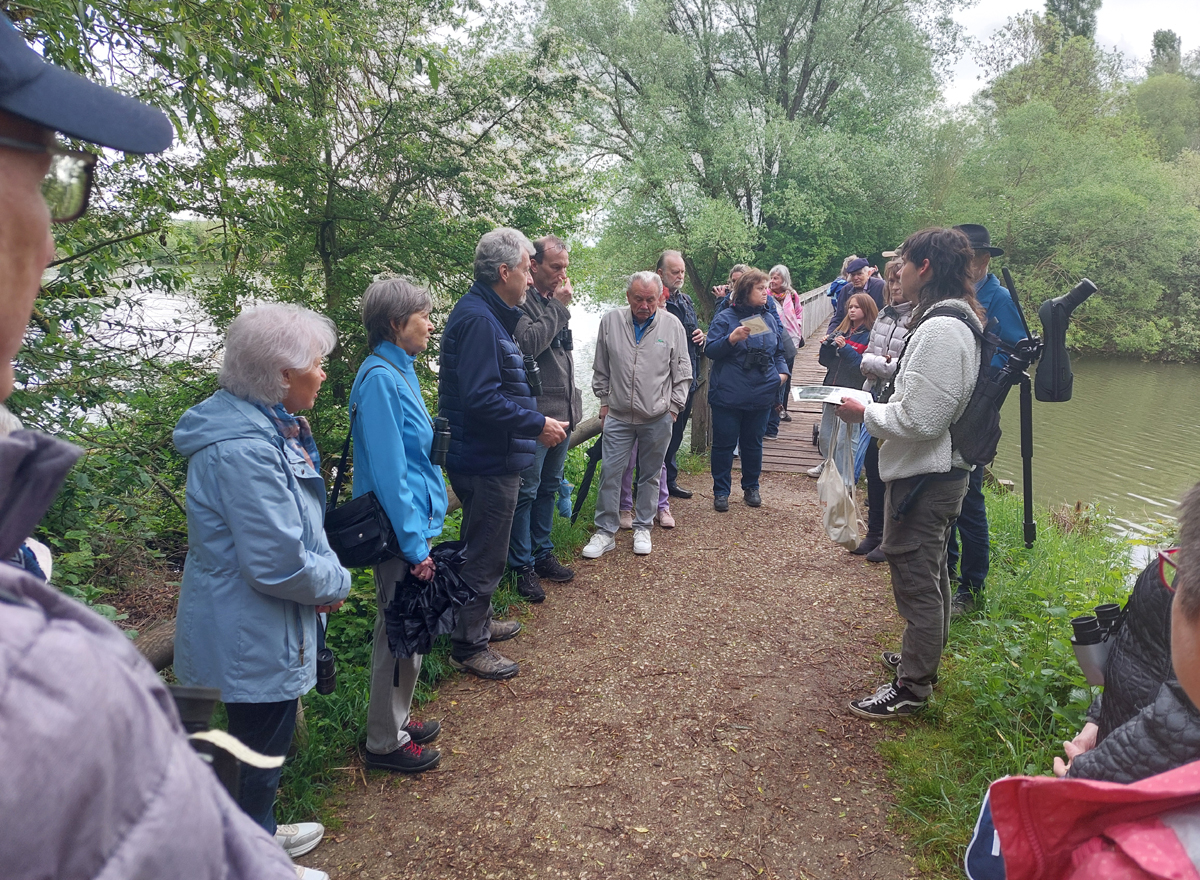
x,y
66,102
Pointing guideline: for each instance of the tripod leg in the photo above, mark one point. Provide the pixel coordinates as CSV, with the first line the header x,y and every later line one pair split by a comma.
x,y
1027,458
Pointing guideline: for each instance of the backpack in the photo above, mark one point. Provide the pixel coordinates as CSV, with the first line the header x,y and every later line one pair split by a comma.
x,y
976,434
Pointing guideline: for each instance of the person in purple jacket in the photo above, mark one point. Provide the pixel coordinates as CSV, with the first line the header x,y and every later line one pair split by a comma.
x,y
99,777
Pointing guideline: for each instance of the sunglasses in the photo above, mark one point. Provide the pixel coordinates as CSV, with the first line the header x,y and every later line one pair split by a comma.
x,y
67,186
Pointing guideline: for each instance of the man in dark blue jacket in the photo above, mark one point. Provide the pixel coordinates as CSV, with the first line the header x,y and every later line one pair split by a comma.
x,y
970,567
494,428
671,269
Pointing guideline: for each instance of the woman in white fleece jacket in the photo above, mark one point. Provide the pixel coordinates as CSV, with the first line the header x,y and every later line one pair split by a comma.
x,y
926,477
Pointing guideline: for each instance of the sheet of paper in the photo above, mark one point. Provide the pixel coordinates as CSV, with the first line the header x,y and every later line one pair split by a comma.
x,y
756,324
829,394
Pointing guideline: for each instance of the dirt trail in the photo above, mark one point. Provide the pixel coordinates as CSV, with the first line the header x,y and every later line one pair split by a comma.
x,y
676,715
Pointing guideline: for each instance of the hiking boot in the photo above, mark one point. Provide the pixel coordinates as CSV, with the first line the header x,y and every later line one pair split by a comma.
x,y
891,661
303,873
676,491
665,519
869,543
721,503
409,758
892,700
503,630
962,603
422,732
529,586
625,520
487,664
548,568
816,471
600,544
876,555
641,542
299,839
753,499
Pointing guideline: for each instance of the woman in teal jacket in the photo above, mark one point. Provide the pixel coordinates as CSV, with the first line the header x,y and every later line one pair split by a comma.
x,y
392,438
258,567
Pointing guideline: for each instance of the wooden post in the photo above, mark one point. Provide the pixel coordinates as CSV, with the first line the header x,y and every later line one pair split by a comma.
x,y
701,414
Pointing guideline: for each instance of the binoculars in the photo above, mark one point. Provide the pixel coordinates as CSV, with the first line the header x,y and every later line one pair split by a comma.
x,y
326,672
564,340
533,375
440,445
758,359
1092,637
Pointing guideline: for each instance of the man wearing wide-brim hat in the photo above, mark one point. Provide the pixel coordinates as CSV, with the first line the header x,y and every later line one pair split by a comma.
x,y
970,567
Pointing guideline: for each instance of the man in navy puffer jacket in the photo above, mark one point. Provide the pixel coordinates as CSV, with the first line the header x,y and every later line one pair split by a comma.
x,y
494,424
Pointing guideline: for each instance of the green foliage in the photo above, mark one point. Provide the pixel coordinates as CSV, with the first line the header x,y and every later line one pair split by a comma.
x,y
1078,17
1011,691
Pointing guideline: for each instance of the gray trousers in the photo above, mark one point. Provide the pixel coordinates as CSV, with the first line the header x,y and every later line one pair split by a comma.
x,y
915,548
652,439
389,705
488,503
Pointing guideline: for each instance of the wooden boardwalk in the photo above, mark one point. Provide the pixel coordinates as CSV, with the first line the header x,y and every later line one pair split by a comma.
x,y
793,452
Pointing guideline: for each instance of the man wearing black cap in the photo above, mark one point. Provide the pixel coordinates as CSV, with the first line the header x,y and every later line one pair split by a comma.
x,y
99,777
861,281
970,567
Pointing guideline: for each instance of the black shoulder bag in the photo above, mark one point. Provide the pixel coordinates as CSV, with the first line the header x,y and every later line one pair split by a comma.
x,y
359,531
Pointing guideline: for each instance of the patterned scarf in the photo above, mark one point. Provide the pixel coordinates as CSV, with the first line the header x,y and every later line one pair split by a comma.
x,y
295,432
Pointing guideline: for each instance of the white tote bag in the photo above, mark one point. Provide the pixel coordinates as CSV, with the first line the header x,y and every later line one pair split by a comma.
x,y
838,512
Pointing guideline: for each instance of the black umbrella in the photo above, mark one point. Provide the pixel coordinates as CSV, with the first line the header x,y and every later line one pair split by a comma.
x,y
595,453
423,610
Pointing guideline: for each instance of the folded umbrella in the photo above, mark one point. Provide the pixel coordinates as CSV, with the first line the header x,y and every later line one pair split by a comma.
x,y
420,611
595,453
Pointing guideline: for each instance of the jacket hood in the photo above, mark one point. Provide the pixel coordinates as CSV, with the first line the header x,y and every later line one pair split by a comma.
x,y
506,314
222,417
32,467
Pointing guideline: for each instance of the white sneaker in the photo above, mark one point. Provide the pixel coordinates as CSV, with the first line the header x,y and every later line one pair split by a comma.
x,y
641,542
625,520
600,544
299,839
816,471
304,873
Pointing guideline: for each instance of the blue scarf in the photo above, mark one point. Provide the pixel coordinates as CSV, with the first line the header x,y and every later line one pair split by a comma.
x,y
295,432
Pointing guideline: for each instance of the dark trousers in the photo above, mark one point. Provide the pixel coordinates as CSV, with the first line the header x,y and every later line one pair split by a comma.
x,y
677,439
876,489
488,503
970,567
785,391
267,728
732,427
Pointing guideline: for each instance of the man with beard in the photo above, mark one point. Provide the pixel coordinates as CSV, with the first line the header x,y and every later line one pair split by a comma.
x,y
671,270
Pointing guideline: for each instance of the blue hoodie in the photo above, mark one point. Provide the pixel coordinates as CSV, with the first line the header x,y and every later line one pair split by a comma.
x,y
258,562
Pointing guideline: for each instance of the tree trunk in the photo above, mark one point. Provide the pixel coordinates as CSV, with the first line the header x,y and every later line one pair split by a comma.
x,y
157,644
701,415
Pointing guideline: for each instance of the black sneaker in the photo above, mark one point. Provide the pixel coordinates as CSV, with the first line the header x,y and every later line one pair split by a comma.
x,y
721,503
891,661
529,586
877,555
753,499
422,732
962,603
869,543
678,491
890,701
551,569
409,758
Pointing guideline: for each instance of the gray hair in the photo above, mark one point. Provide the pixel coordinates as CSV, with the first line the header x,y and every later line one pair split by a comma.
x,y
650,279
782,271
662,258
388,303
264,341
500,247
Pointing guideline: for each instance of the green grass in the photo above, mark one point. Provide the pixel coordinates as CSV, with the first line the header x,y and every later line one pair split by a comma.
x,y
336,724
1011,690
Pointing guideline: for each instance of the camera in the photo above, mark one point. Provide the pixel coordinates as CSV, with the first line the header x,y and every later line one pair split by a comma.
x,y
326,672
441,441
533,375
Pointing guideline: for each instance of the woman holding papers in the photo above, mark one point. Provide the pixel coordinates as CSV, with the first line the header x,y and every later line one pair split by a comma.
x,y
745,342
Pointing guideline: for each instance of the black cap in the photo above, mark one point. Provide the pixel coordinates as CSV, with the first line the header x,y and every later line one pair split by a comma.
x,y
860,263
981,239
65,102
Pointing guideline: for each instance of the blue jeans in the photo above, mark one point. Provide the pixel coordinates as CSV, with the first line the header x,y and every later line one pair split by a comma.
x,y
534,516
732,427
972,530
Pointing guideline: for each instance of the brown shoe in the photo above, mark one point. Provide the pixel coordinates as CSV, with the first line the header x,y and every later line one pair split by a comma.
x,y
502,630
665,519
487,664
625,519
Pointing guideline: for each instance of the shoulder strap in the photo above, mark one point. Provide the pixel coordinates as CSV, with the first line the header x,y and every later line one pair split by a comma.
x,y
341,470
416,391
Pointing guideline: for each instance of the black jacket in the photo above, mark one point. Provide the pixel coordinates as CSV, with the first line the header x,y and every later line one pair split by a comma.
x,y
1147,723
680,305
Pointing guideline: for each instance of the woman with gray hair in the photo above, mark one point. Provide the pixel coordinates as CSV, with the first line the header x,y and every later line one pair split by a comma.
x,y
392,438
258,568
790,312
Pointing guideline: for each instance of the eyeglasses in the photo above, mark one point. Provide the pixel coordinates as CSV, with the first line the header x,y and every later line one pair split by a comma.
x,y
1166,560
68,184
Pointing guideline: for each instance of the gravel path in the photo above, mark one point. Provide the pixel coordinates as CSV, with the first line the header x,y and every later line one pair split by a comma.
x,y
676,715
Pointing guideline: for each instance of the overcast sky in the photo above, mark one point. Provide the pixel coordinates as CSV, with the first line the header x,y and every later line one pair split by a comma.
x,y
1129,25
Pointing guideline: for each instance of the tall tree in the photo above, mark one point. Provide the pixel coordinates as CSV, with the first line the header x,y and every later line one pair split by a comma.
x,y
1165,52
1078,17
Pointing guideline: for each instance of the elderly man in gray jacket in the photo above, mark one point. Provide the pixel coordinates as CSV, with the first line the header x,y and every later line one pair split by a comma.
x,y
641,374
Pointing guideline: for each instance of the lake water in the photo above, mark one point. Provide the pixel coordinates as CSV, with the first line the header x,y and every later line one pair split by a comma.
x,y
1128,440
